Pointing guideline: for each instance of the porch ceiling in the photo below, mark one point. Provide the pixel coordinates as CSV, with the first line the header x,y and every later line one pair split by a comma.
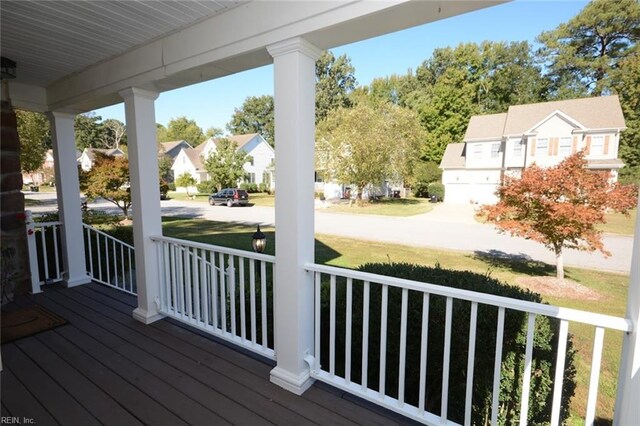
x,y
77,55
52,39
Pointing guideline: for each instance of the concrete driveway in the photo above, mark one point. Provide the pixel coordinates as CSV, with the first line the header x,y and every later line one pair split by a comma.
x,y
446,226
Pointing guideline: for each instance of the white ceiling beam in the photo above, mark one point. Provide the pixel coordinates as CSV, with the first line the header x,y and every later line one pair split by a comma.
x,y
236,40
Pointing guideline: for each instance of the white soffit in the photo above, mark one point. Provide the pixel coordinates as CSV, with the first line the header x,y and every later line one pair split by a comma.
x,y
50,39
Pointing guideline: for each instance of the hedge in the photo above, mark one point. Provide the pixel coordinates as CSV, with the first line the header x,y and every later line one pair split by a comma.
x,y
544,352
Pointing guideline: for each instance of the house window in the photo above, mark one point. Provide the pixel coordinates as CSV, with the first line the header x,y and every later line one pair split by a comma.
x,y
495,150
318,177
517,148
542,146
266,178
565,146
597,145
250,178
477,150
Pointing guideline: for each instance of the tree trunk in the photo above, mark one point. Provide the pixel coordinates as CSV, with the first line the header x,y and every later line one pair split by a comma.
x,y
559,264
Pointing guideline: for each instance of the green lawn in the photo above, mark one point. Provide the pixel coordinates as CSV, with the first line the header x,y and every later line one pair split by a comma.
x,y
350,253
618,223
385,207
28,202
196,197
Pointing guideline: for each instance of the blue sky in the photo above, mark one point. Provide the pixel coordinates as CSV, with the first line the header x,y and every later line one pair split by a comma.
x,y
212,103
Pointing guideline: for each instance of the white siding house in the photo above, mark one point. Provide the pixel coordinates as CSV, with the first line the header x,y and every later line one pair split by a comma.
x,y
88,156
543,133
258,170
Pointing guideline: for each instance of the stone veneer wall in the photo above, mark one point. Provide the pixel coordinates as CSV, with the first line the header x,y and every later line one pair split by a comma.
x,y
13,238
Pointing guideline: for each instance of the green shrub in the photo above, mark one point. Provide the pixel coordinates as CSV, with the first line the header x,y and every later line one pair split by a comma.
x,y
263,187
545,345
249,187
207,187
437,189
172,186
99,217
164,189
425,173
628,175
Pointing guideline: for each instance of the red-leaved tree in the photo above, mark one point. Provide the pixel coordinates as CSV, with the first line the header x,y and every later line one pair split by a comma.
x,y
560,206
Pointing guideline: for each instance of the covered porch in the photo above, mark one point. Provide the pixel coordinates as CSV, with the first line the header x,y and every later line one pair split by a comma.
x,y
106,368
269,306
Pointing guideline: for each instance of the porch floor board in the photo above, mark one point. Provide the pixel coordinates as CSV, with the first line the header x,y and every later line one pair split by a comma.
x,y
106,368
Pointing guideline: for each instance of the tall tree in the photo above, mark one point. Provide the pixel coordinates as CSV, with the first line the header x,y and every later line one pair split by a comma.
x,y
456,83
626,82
180,128
35,137
164,167
395,88
108,179
213,132
225,164
581,53
335,79
560,206
367,144
254,116
89,131
114,134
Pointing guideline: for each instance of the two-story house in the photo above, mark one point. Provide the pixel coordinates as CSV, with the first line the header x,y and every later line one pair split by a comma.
x,y
173,148
88,156
543,133
258,170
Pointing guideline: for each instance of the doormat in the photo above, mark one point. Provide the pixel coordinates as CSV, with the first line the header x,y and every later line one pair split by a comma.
x,y
28,321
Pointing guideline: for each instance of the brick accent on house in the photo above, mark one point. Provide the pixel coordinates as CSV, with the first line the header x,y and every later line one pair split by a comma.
x,y
13,237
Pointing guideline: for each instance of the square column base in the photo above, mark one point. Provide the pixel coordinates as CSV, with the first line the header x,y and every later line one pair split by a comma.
x,y
292,383
76,281
144,317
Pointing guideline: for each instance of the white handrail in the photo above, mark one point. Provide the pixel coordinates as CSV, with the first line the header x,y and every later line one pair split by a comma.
x,y
600,320
339,374
45,255
110,261
218,249
205,286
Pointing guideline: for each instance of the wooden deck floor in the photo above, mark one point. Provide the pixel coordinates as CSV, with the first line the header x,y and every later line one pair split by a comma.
x,y
106,368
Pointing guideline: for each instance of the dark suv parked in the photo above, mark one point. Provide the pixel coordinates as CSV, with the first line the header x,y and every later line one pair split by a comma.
x,y
230,196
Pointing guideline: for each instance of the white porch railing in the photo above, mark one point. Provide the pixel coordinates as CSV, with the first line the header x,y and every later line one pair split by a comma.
x,y
45,252
338,368
109,261
222,291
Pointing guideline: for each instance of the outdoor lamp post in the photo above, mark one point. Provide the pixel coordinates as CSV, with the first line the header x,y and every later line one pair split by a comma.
x,y
259,241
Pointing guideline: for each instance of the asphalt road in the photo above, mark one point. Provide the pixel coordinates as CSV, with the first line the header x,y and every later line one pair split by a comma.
x,y
447,227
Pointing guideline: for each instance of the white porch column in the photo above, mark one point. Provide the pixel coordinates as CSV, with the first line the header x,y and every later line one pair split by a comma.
x,y
294,69
68,193
145,197
628,394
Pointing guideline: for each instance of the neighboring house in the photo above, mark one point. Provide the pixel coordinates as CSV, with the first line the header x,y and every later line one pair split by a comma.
x,y
88,156
46,174
259,170
172,149
543,133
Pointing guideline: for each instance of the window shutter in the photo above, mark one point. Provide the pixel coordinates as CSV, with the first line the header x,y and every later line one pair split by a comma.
x,y
605,150
550,147
533,147
574,146
556,145
587,150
